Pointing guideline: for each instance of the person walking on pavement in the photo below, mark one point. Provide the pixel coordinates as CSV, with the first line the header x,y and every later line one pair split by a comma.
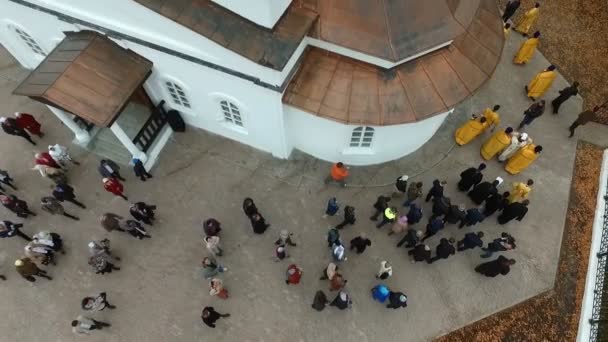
x,y
338,251
510,9
399,226
474,216
493,268
320,301
216,288
332,207
400,186
506,30
101,258
140,170
420,253
52,206
414,215
583,118
28,270
483,190
111,222
396,300
349,217
496,202
258,223
496,144
441,206
518,141
532,113
471,177
520,191
380,292
280,253
16,205
329,271
523,159
456,215
433,227
212,227
564,95
40,253
539,85
411,238
44,158
210,316
64,192
413,192
339,173
10,126
96,302
211,267
470,130
505,242
470,241
293,274
5,178
28,122
9,229
285,239
54,174
360,243
492,117
213,245
136,230
380,205
527,49
443,250
385,271
529,18
249,207
143,212
436,190
84,325
388,217
115,187
50,239
515,210
342,301
333,236
109,169
61,155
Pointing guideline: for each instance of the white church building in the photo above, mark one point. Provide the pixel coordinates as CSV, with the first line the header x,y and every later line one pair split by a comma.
x,y
358,81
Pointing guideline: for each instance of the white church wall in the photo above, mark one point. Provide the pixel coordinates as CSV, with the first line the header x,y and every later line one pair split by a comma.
x,y
329,140
265,12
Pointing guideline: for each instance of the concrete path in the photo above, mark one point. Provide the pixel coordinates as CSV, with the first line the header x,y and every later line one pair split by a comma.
x,y
160,293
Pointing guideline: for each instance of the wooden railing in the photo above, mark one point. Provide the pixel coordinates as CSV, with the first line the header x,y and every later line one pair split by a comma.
x,y
152,128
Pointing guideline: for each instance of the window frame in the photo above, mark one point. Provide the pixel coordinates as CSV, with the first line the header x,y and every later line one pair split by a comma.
x,y
363,133
27,41
178,93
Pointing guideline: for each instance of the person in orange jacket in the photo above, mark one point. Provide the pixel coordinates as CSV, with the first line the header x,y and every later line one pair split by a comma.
x,y
523,158
339,173
470,130
114,186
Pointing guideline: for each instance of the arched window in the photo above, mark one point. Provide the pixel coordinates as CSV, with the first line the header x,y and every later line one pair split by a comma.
x,y
178,95
232,114
28,40
362,137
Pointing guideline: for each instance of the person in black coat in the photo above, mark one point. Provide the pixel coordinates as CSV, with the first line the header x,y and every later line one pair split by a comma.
x,y
496,202
411,239
212,227
360,243
64,192
249,207
400,185
349,217
443,250
258,223
482,191
109,169
342,301
474,216
441,206
505,242
414,215
396,300
419,253
515,210
471,177
210,316
16,205
470,241
564,95
456,214
493,268
380,205
143,212
510,9
436,190
140,170
10,126
433,227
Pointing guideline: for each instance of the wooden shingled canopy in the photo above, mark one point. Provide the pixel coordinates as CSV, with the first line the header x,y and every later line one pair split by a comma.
x,y
88,75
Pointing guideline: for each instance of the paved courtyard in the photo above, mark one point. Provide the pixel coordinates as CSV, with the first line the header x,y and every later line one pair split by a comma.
x,y
160,292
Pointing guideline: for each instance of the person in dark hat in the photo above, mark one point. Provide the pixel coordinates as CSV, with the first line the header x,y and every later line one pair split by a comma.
x,y
64,192
249,207
505,242
109,169
396,300
143,212
140,170
474,216
210,316
444,249
471,177
433,227
483,190
414,215
411,239
360,243
470,241
419,253
400,185
564,95
456,214
349,217
320,301
380,205
515,210
436,190
441,206
16,205
493,268
258,223
342,301
10,126
212,227
510,9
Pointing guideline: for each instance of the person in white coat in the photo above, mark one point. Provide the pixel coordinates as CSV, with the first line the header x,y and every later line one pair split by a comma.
x,y
385,271
213,245
61,155
518,140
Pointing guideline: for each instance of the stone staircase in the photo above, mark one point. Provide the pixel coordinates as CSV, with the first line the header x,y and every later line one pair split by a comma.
x,y
105,144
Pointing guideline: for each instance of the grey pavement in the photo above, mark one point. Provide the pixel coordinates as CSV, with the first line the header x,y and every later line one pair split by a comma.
x,y
160,293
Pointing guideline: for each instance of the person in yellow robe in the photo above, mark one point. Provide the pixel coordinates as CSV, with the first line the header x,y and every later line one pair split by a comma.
x,y
520,191
541,83
492,117
506,30
523,158
526,22
470,130
496,144
527,49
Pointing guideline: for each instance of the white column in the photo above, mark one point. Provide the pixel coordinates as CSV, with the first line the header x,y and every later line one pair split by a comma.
x,y
82,136
126,142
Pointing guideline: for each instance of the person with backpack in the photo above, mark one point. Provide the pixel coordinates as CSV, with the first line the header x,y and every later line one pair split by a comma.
x,y
140,170
50,239
332,207
400,185
210,316
9,229
349,217
471,177
109,169
333,235
136,230
52,206
111,222
441,206
380,206
342,301
414,215
64,192
143,212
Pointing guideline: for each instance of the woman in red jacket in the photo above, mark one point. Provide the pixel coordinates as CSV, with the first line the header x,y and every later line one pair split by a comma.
x,y
114,186
45,158
27,121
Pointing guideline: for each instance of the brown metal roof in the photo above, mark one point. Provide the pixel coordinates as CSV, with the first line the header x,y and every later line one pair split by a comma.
x,y
390,29
271,48
88,75
353,92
